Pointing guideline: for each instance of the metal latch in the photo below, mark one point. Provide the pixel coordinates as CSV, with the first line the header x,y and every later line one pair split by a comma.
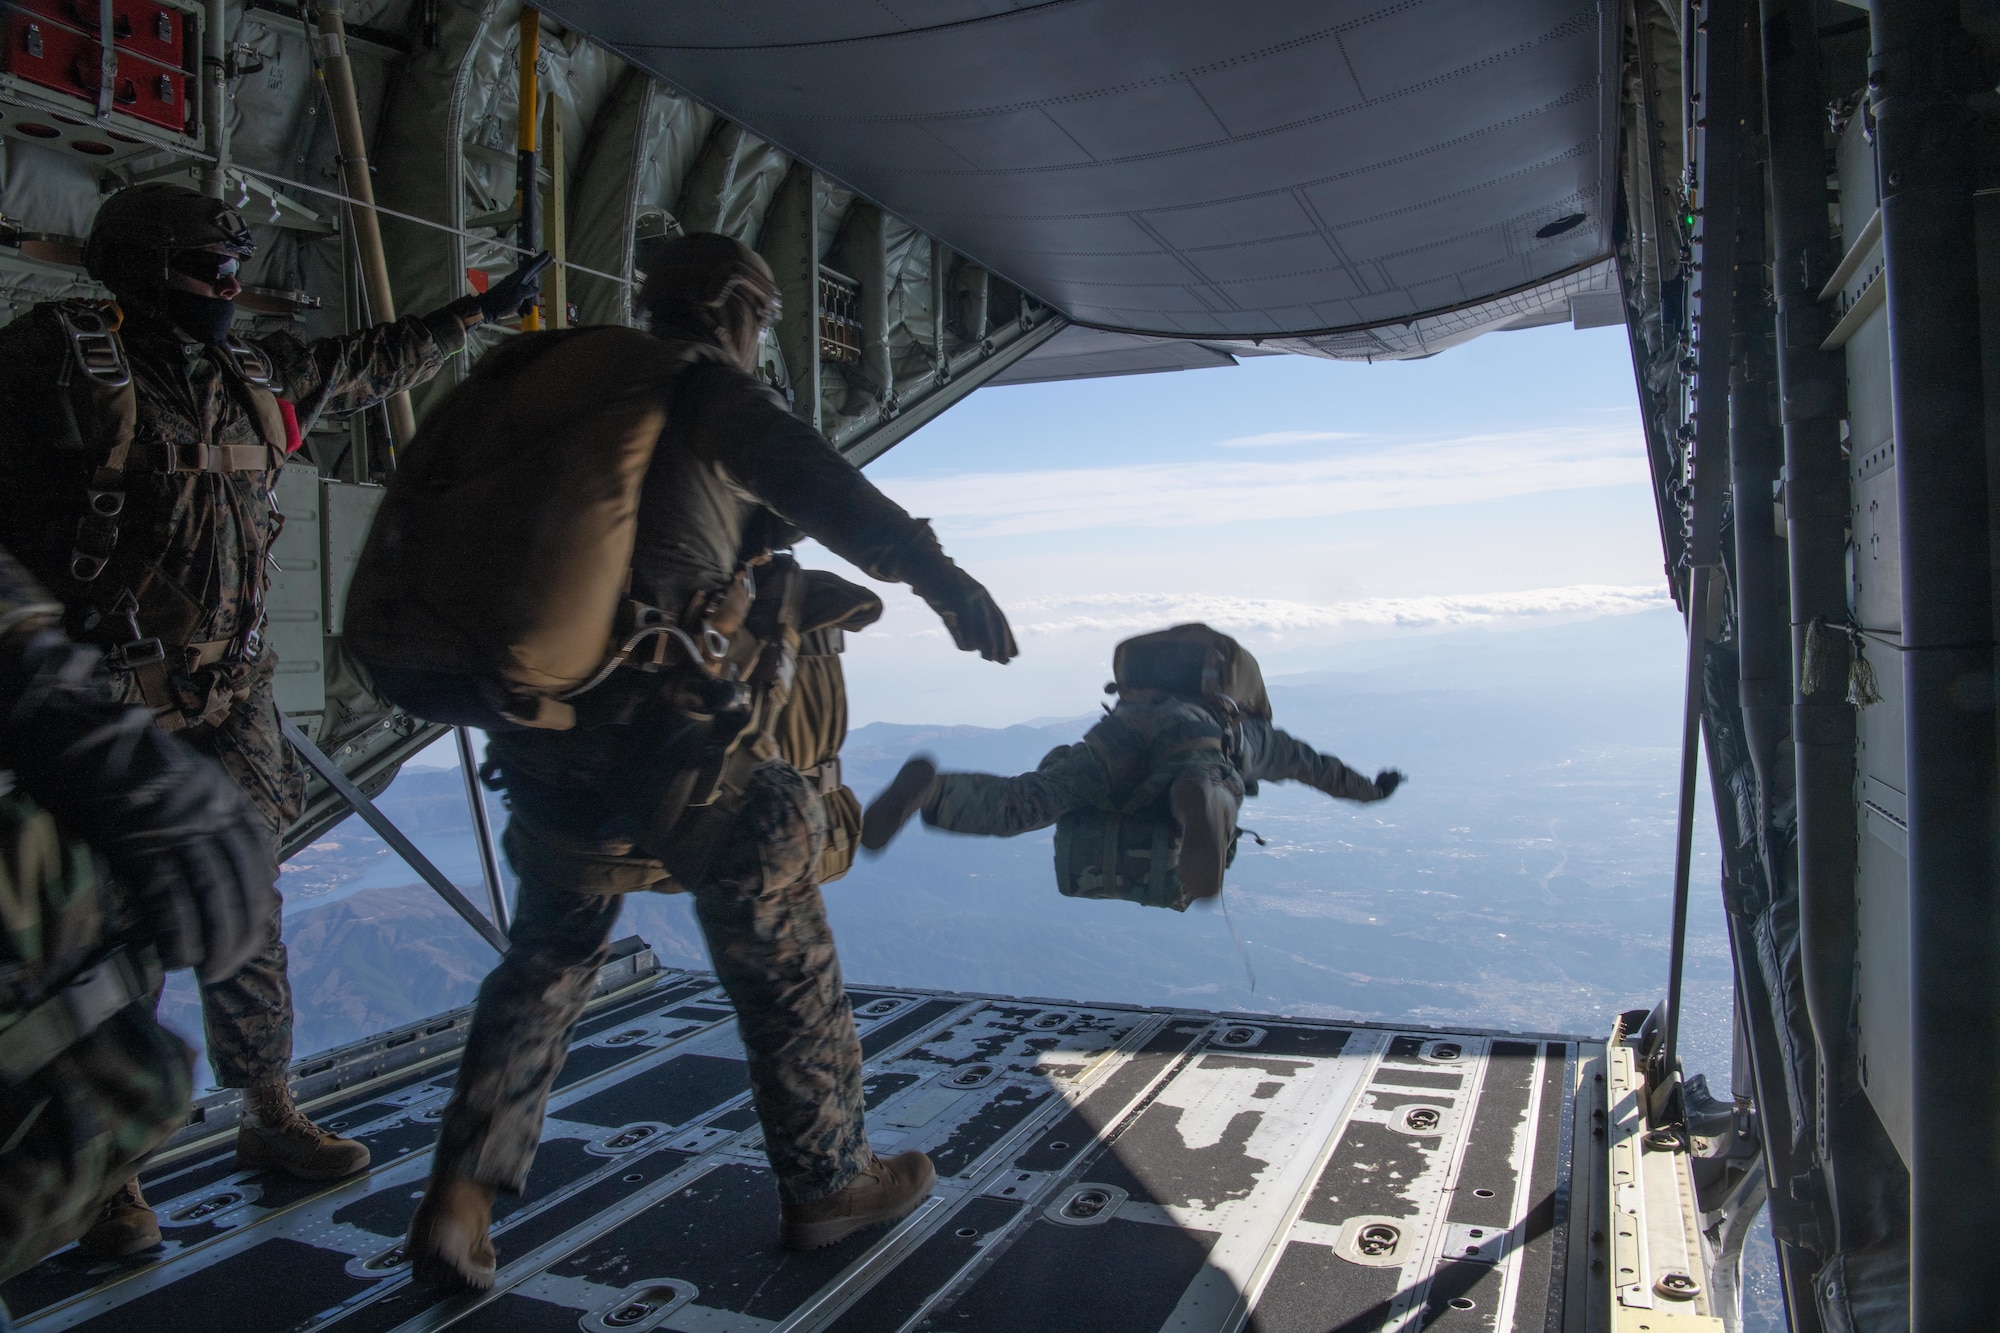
x,y
94,342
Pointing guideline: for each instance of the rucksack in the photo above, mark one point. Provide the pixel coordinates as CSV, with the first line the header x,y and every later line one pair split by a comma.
x,y
1130,855
492,585
1193,662
90,1083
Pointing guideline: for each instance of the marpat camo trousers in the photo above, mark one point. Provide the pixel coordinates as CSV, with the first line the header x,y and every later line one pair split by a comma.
x,y
248,1017
765,924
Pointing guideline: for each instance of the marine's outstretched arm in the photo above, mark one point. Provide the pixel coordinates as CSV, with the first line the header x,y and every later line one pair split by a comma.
x,y
791,468
1271,755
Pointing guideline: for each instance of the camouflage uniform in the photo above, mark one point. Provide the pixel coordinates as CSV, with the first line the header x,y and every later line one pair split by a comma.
x,y
191,547
1162,738
733,450
767,934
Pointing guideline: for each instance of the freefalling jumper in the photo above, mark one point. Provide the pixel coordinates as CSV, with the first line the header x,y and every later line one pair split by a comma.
x,y
1145,805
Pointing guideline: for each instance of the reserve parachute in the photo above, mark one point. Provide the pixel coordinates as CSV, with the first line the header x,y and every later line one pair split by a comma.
x,y
492,585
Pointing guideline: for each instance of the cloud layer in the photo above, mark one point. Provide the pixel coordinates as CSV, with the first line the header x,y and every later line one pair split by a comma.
x,y
1124,613
1461,470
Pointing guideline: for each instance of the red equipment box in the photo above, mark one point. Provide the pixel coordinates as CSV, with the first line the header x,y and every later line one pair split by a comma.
x,y
54,44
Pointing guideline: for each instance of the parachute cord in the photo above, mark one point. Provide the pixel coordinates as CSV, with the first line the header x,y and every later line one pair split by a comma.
x,y
1222,898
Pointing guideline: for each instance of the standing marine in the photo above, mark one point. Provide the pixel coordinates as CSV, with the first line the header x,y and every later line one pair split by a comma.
x,y
1164,774
139,457
729,451
90,1083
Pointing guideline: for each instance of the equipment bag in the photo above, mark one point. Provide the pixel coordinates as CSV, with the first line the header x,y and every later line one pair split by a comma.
x,y
1193,662
1134,856
492,584
90,1084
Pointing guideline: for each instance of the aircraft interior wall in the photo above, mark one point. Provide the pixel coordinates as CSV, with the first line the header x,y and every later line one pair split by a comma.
x,y
885,327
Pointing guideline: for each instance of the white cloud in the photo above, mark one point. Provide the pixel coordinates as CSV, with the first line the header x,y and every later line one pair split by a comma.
x,y
1276,438
1462,470
1122,613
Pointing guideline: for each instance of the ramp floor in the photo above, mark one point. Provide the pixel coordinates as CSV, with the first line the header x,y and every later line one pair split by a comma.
x,y
1100,1167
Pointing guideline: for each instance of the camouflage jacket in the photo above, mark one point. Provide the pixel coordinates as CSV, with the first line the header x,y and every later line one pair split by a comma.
x,y
207,436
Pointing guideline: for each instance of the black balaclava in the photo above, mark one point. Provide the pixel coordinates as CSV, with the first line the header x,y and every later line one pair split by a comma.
x,y
203,318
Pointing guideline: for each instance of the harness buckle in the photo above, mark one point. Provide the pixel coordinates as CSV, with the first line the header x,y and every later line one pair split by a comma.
x,y
135,654
94,343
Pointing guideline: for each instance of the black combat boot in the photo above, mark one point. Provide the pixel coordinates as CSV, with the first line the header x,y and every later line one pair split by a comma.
x,y
903,797
1207,815
887,1190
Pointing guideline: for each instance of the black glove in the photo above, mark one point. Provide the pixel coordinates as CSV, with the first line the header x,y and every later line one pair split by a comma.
x,y
1386,783
181,839
974,620
510,296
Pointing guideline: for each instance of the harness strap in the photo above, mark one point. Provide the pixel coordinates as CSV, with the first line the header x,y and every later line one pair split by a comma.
x,y
824,777
204,457
120,978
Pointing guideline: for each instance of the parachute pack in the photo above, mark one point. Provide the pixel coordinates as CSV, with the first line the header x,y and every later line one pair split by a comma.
x,y
492,585
1133,855
1193,662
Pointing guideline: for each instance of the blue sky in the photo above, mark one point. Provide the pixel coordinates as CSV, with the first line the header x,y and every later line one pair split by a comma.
x,y
1310,507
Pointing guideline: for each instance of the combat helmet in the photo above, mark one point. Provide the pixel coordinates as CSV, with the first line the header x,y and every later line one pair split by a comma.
x,y
692,280
137,228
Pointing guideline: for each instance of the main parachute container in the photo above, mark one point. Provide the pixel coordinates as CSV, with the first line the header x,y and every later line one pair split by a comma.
x,y
1194,662
491,582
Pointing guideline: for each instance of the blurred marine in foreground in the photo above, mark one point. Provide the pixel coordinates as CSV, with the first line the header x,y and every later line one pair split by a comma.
x,y
89,1082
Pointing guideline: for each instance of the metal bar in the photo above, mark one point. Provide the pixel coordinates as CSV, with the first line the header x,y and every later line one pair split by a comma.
x,y
390,834
463,233
482,828
215,97
1813,393
338,71
107,59
1925,146
527,179
558,219
1719,47
1664,1078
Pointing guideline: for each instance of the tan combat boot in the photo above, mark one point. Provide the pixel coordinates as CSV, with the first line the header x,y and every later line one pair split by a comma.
x,y
903,797
448,1244
1207,815
125,1226
887,1190
275,1135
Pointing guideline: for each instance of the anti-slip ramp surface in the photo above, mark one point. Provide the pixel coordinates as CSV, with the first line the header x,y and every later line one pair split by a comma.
x,y
1099,1167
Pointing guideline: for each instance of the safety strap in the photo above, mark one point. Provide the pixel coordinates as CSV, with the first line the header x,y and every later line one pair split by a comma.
x,y
120,978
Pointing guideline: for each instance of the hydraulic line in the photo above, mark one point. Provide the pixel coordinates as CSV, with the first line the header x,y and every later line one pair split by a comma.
x,y
1922,84
338,72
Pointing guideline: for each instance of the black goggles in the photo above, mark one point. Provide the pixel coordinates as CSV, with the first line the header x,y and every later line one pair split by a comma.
x,y
205,266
